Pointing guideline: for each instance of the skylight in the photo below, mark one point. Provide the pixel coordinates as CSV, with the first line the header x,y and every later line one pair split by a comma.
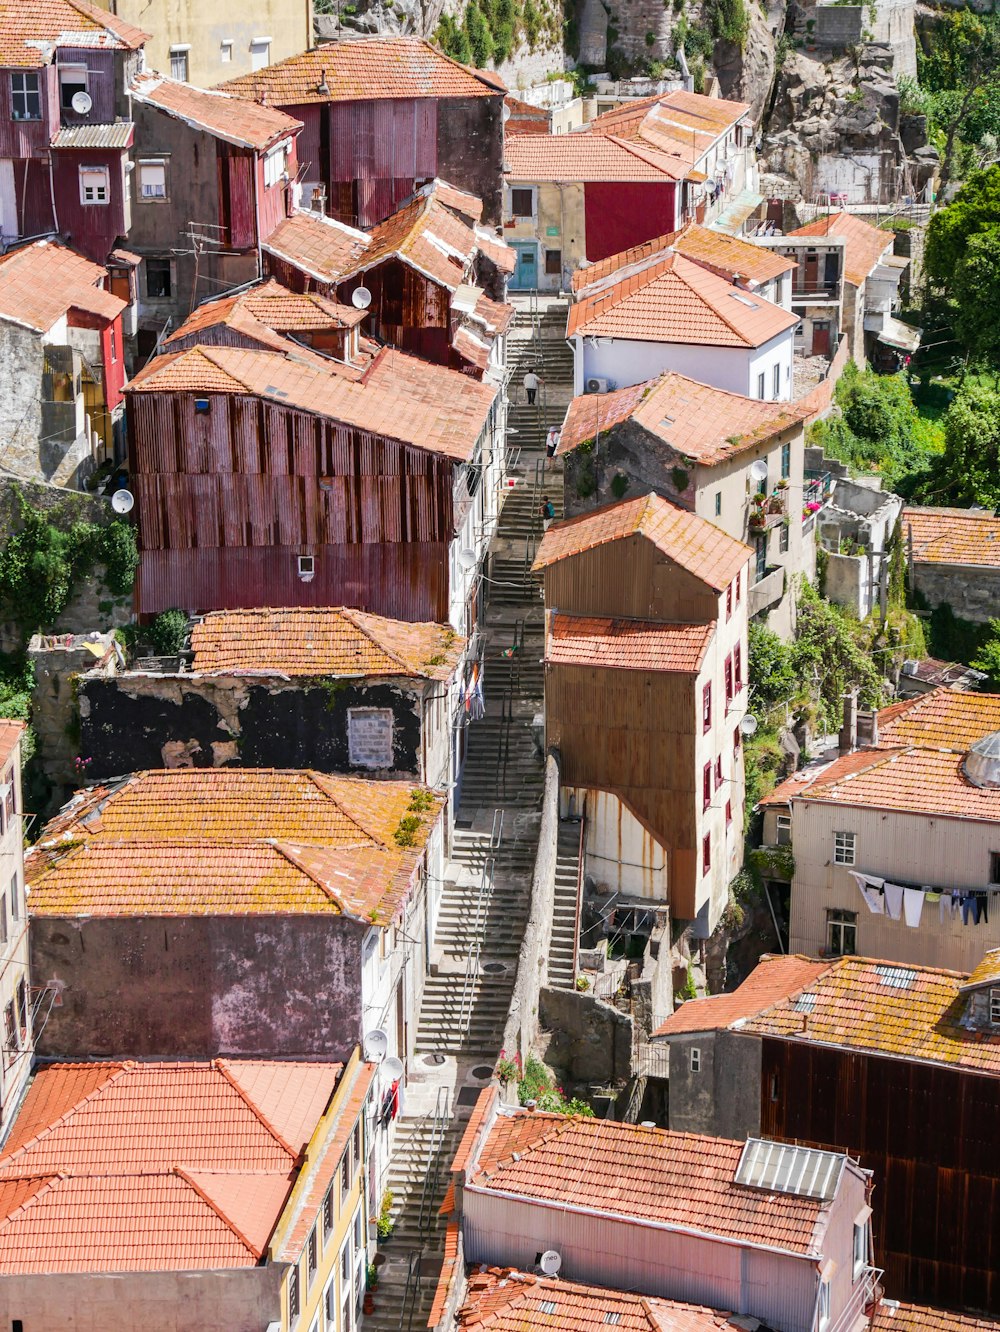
x,y
805,1003
897,978
744,300
780,1168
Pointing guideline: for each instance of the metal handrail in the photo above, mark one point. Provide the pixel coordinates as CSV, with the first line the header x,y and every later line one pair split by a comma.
x,y
442,1114
411,1291
476,942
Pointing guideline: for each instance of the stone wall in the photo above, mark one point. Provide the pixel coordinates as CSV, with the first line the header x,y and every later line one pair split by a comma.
x,y
972,594
59,662
722,1097
589,1040
147,720
522,1027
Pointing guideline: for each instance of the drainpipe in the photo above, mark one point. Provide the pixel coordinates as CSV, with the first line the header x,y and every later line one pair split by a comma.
x,y
52,195
258,162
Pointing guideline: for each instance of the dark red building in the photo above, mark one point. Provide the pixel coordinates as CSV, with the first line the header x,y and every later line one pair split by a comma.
x,y
383,116
65,126
265,479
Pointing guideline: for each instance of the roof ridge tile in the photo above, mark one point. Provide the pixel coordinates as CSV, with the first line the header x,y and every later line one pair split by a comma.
x,y
182,1173
223,1067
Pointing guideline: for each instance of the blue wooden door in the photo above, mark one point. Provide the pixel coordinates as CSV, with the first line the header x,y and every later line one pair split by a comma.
x,y
526,273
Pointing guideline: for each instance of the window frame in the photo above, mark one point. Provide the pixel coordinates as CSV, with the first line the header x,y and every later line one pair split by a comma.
x,y
706,708
718,504
706,853
259,44
706,787
845,844
860,1252
144,164
729,602
294,1293
738,669
995,867
839,924
729,813
157,259
727,673
783,824
516,190
78,80
26,92
553,266
786,460
994,1001
275,164
776,380
95,170
823,1306
761,385
694,1059
717,774
783,538
182,56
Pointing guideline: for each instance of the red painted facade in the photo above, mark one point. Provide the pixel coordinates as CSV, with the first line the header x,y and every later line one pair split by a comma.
x,y
91,228
112,354
620,215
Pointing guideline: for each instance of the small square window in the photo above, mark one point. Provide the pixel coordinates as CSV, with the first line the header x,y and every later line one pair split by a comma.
x,y
152,178
783,835
695,1059
25,98
306,566
95,184
995,867
159,279
995,1006
226,52
737,740
202,406
843,848
553,263
522,203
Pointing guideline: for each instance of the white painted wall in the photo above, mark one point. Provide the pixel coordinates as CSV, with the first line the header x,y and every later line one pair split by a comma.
x,y
735,369
16,1063
618,850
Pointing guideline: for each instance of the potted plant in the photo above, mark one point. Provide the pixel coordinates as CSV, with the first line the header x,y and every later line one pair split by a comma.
x,y
783,483
776,504
371,1277
385,1223
757,519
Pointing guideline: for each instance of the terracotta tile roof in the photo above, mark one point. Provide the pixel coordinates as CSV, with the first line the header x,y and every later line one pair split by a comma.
x,y
322,640
912,781
321,246
226,117
307,1202
496,250
940,719
399,397
215,841
26,29
297,312
691,542
152,1166
680,126
525,118
583,157
495,317
987,973
800,782
702,423
677,300
10,735
459,201
374,68
681,1180
727,255
511,1301
953,536
626,645
469,344
908,1012
892,1316
773,978
864,246
40,283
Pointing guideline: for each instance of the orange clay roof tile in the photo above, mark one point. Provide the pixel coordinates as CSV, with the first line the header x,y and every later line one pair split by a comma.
x,y
229,118
940,719
953,536
584,157
891,1316
40,283
727,255
322,641
772,979
693,543
680,1180
373,68
626,645
987,973
139,1167
865,245
216,841
399,397
881,1007
676,300
505,1300
704,424
27,29
10,737
679,126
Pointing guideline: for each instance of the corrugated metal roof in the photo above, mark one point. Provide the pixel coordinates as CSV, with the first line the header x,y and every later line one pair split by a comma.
x,y
778,1167
117,135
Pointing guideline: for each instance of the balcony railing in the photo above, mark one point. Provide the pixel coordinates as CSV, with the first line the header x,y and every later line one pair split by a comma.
x,y
816,295
817,489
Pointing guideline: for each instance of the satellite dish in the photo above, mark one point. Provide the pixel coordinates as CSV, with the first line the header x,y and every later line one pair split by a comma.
x,y
758,469
550,1262
123,501
361,298
467,559
376,1043
392,1068
81,103
505,113
749,724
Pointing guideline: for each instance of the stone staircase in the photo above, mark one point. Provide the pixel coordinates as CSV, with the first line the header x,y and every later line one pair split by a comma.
x,y
537,341
418,1178
562,973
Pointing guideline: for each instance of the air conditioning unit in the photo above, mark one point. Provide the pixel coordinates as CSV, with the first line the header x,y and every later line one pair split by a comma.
x,y
596,385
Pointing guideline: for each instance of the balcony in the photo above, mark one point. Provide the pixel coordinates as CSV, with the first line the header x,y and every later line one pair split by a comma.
x,y
825,294
817,491
768,511
767,591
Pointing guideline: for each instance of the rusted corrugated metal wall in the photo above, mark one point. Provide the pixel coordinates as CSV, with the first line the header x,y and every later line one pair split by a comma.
x,y
407,310
275,483
628,578
930,1136
28,138
239,167
384,146
100,85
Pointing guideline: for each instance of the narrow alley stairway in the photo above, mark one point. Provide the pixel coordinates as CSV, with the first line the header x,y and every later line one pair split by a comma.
x,y
486,893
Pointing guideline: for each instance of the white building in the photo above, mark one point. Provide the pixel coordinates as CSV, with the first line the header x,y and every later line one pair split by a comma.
x,y
17,1038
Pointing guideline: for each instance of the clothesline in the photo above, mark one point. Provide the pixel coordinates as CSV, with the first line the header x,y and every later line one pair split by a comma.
x,y
896,900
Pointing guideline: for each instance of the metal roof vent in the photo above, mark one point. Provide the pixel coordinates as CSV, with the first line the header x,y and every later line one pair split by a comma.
x,y
982,763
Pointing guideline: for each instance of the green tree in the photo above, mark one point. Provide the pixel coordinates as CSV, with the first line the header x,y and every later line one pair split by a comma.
x,y
772,674
976,292
961,68
831,655
453,40
988,657
972,445
976,208
477,30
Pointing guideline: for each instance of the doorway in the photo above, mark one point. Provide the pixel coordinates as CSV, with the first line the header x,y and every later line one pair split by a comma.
x,y
526,272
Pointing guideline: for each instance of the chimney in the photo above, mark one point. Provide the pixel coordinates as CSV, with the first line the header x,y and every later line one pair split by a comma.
x,y
849,730
868,729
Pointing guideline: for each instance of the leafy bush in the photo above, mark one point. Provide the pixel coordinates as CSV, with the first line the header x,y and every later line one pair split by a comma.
x,y
730,20
772,674
537,1084
167,633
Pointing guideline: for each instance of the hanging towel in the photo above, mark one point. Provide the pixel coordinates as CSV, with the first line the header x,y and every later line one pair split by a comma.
x,y
913,905
945,908
873,898
931,895
893,900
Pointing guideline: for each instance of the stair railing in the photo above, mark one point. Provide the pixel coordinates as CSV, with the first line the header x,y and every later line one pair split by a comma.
x,y
428,1195
474,953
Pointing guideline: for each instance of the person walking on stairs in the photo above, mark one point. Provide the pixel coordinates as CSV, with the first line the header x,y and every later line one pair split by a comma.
x,y
531,383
